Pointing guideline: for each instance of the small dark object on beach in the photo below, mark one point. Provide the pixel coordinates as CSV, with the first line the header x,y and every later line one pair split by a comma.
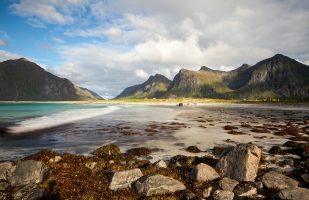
x,y
193,149
276,150
229,127
140,151
233,132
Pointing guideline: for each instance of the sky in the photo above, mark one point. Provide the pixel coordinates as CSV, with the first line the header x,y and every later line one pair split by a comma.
x,y
107,45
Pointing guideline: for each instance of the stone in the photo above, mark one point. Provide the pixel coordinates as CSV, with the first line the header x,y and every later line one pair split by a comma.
x,y
294,194
160,164
4,185
245,191
228,184
289,161
109,151
207,192
193,149
6,169
241,163
124,179
27,172
56,159
305,177
139,151
91,165
223,195
157,185
204,173
30,192
222,150
276,150
276,181
189,196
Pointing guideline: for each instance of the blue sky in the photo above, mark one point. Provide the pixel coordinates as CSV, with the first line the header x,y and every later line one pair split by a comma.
x,y
107,45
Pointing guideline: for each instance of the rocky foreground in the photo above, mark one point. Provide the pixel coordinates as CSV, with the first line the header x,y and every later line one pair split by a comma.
x,y
239,172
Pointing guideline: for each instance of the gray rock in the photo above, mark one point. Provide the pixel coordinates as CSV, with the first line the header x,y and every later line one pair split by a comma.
x,y
294,194
160,164
190,196
245,191
4,185
228,184
204,173
6,169
241,163
30,192
27,172
124,179
277,181
157,185
305,177
207,192
223,195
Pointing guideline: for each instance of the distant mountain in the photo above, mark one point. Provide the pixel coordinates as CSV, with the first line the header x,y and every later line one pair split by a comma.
x,y
22,80
278,77
154,87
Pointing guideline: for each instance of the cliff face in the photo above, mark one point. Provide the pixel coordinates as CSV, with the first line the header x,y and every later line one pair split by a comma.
x,y
22,80
154,87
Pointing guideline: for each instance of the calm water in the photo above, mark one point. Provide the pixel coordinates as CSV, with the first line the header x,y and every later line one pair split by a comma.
x,y
80,128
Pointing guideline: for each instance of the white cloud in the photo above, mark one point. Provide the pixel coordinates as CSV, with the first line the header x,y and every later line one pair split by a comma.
x,y
141,74
5,55
3,42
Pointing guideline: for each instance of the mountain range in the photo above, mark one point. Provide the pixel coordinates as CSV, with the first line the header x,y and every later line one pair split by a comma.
x,y
22,80
278,77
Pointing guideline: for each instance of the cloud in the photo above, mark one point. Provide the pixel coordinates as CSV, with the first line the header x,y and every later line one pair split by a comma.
x,y
141,74
3,43
5,55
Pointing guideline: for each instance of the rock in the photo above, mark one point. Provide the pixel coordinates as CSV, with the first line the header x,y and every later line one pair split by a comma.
x,y
204,173
294,194
189,196
6,169
157,185
245,191
222,150
276,150
4,186
56,159
228,184
305,177
289,161
193,149
4,196
91,165
30,192
160,164
223,195
241,163
259,185
124,179
109,151
140,151
207,192
181,160
276,181
180,104
27,172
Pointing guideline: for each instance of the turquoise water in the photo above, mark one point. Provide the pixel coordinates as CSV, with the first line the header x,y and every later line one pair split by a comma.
x,y
14,112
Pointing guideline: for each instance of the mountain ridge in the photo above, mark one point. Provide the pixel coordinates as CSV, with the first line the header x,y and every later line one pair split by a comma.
x,y
23,80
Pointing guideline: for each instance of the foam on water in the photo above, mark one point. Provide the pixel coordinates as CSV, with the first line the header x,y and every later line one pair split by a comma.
x,y
57,119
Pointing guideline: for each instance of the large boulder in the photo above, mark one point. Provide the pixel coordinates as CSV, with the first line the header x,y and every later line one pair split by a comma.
x,y
241,163
293,194
157,185
28,172
223,195
6,169
228,184
109,151
276,181
124,179
204,173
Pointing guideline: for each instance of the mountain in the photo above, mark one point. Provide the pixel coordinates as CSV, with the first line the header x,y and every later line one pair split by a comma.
x,y
278,77
154,87
22,80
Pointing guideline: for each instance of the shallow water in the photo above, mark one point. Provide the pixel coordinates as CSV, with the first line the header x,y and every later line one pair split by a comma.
x,y
168,129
